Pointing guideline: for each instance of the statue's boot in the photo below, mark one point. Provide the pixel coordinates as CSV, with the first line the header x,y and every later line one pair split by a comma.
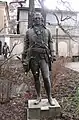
x,y
37,86
50,100
48,91
38,100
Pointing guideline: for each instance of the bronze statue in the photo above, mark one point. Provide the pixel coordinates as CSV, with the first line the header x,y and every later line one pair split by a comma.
x,y
38,49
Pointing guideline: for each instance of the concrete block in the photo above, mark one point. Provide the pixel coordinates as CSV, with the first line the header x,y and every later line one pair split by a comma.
x,y
34,113
54,111
42,110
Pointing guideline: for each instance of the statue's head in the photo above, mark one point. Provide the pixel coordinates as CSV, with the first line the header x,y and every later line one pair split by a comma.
x,y
38,19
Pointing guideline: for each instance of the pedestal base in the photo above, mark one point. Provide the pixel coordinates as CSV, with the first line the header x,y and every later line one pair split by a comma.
x,y
42,110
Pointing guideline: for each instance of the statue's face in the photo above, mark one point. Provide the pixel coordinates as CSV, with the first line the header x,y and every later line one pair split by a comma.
x,y
37,21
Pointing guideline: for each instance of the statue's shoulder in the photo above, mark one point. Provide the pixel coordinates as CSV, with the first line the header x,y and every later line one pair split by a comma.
x,y
48,29
29,30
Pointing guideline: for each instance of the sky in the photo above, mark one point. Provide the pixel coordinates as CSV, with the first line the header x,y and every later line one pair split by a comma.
x,y
52,4
74,4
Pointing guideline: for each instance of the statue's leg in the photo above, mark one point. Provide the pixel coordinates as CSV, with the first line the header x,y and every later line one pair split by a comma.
x,y
45,74
35,72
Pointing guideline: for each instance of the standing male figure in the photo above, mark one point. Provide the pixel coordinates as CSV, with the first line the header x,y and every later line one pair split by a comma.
x,y
5,50
38,46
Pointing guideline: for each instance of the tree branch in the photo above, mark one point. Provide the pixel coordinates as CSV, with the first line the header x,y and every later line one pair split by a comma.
x,y
58,21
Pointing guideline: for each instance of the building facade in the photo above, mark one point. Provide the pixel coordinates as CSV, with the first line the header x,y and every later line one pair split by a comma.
x,y
4,20
4,17
68,30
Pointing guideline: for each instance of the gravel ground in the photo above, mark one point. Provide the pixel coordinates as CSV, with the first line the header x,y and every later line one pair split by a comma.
x,y
65,90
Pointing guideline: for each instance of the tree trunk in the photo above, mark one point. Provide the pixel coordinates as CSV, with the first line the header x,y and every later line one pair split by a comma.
x,y
31,13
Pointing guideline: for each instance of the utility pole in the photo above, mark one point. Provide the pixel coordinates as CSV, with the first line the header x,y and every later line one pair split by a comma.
x,y
31,13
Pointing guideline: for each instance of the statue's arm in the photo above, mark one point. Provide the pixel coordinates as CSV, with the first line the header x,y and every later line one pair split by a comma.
x,y
51,45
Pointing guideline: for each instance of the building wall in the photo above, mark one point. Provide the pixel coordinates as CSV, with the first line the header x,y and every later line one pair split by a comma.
x,y
23,22
2,38
66,46
1,18
69,21
12,40
4,17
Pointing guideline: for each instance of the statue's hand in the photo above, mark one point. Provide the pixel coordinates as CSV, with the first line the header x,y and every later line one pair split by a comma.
x,y
52,58
26,65
23,61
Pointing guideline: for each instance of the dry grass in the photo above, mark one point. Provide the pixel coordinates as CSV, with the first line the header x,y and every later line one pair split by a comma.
x,y
16,75
57,69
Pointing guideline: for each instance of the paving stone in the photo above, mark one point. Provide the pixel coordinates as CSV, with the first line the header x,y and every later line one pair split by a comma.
x,y
73,66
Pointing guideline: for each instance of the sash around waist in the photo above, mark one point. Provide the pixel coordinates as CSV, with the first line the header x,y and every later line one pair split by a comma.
x,y
39,50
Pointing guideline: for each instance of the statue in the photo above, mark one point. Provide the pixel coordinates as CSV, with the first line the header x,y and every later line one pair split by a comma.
x,y
38,49
5,50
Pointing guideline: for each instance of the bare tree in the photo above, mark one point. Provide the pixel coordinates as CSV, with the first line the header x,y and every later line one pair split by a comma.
x,y
62,18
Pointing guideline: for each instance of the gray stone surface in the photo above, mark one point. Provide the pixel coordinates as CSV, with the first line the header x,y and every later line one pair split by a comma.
x,y
42,110
73,66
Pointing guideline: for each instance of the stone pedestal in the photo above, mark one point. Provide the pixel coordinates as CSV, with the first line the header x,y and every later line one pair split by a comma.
x,y
43,110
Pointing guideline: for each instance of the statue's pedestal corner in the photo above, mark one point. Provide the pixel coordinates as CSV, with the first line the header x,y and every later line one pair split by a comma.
x,y
42,110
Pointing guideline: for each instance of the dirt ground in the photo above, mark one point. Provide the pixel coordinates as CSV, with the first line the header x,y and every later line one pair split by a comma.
x,y
65,89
